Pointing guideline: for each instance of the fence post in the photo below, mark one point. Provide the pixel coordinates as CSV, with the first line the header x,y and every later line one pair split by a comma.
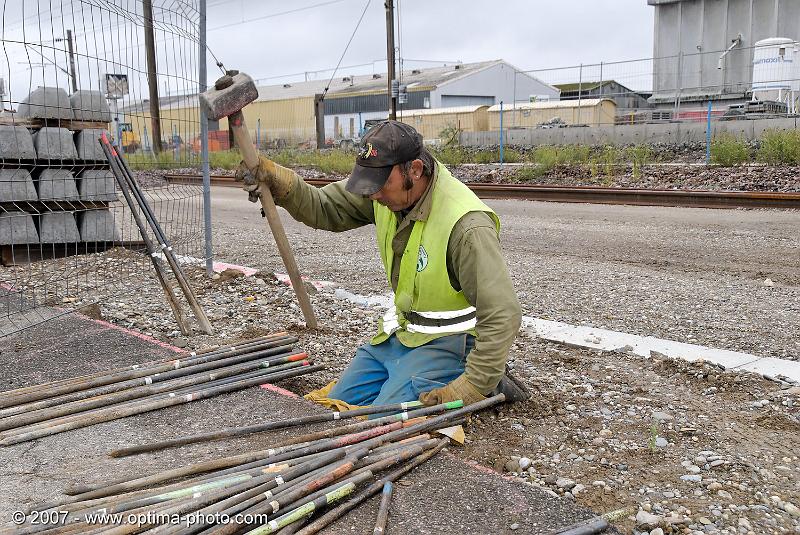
x,y
204,144
501,132
708,135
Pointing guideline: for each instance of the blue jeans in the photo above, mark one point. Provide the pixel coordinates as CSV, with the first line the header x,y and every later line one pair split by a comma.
x,y
391,372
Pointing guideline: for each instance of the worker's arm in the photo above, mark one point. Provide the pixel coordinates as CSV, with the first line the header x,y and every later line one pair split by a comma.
x,y
329,208
476,265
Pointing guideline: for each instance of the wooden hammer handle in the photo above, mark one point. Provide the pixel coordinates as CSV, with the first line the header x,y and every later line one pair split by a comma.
x,y
250,157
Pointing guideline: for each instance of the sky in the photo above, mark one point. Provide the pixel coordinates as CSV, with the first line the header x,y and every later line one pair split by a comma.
x,y
529,34
279,41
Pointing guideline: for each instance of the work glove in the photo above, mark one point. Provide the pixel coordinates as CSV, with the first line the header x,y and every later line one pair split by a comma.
x,y
279,179
460,388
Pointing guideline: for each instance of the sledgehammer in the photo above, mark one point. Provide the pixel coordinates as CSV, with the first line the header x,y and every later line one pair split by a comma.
x,y
229,95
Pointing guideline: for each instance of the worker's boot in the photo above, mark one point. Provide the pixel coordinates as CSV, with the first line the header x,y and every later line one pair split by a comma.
x,y
512,387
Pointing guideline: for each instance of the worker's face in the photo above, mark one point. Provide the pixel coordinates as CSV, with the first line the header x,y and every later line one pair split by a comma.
x,y
394,195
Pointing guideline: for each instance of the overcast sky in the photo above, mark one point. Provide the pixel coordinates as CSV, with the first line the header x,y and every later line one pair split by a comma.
x,y
278,41
530,34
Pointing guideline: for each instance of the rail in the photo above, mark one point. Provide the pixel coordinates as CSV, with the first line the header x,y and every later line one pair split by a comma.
x,y
589,194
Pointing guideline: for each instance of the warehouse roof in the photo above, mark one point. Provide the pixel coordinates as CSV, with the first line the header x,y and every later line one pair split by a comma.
x,y
439,111
429,78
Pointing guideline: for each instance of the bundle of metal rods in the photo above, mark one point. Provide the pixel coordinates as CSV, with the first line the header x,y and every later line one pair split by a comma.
x,y
282,489
37,411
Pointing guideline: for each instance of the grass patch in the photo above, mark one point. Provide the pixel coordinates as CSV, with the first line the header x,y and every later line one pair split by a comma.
x,y
529,173
779,147
728,150
450,155
164,160
639,156
330,162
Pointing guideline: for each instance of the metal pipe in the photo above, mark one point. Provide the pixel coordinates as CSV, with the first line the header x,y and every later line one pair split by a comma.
x,y
145,388
383,509
114,414
123,375
166,247
267,426
204,157
336,513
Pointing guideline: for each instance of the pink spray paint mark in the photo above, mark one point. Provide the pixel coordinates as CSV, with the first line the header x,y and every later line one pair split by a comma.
x,y
137,334
279,390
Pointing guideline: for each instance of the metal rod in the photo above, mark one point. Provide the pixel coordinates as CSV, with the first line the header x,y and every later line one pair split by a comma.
x,y
124,375
34,388
177,311
336,513
383,509
129,410
166,247
145,389
267,426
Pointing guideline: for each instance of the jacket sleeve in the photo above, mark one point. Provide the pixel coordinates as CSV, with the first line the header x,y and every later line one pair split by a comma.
x,y
331,207
477,264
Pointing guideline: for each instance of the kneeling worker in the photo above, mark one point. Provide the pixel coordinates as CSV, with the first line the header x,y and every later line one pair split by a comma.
x,y
455,311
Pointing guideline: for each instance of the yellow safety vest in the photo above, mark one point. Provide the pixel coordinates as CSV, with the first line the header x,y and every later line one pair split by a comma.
x,y
426,305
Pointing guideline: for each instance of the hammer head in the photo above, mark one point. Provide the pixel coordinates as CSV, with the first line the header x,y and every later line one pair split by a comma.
x,y
229,95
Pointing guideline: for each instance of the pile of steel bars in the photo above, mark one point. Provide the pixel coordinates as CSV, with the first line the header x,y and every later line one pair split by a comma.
x,y
38,411
282,489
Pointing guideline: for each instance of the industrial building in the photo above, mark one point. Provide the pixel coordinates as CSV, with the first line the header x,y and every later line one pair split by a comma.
x,y
289,114
625,98
584,112
723,50
470,84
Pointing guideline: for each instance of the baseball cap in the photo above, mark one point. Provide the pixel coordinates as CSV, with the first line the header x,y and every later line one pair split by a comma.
x,y
387,144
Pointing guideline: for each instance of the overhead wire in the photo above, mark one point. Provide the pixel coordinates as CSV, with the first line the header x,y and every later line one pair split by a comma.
x,y
361,18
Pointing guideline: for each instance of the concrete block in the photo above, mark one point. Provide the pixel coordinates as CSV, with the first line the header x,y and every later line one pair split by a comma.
x,y
89,106
16,185
97,185
98,225
58,227
88,145
57,185
16,228
16,143
54,144
46,103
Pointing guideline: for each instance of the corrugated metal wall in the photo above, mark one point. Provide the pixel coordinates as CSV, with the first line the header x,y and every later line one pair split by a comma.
x,y
598,114
431,125
334,105
291,120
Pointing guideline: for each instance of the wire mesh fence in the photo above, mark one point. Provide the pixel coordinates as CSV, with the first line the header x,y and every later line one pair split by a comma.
x,y
72,71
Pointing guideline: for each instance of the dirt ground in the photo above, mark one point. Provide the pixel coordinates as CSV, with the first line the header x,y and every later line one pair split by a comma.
x,y
678,448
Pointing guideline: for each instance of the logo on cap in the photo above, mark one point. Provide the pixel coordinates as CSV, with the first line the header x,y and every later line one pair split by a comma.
x,y
367,151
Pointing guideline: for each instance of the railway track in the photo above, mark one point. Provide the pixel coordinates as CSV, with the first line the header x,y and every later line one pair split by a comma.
x,y
588,194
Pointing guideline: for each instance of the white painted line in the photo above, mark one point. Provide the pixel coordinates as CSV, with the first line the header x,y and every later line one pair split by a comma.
x,y
645,346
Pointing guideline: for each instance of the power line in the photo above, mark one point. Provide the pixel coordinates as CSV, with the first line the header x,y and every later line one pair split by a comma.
x,y
288,12
364,12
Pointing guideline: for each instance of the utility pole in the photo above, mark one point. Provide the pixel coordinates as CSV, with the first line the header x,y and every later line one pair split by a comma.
x,y
392,93
152,82
71,51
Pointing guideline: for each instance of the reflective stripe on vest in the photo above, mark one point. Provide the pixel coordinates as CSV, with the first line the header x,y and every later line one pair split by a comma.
x,y
391,321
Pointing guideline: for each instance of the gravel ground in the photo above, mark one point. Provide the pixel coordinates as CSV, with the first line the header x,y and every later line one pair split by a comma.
x,y
723,278
672,175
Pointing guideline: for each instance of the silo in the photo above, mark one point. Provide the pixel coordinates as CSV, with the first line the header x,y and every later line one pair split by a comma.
x,y
775,68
